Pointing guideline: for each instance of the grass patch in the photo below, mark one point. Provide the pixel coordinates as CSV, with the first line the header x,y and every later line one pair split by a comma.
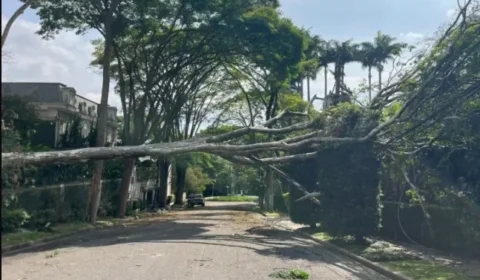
x,y
26,236
425,270
290,274
272,214
395,258
322,236
23,237
233,198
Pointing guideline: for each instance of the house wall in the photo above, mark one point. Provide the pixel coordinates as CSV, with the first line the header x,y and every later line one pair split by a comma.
x,y
137,188
60,104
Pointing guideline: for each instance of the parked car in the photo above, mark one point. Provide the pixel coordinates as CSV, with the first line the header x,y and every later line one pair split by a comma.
x,y
195,199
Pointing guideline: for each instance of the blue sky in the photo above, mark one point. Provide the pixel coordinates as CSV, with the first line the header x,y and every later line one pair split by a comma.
x,y
66,58
344,19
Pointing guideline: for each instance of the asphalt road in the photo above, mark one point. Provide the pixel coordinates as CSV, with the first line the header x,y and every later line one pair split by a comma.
x,y
219,241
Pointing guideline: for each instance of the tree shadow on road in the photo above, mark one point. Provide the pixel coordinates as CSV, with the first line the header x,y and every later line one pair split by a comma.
x,y
199,228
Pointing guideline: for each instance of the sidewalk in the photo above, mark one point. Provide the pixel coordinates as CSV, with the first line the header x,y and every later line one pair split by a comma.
x,y
413,261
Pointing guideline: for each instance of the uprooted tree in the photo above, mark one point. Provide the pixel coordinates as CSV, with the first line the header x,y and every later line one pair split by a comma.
x,y
429,89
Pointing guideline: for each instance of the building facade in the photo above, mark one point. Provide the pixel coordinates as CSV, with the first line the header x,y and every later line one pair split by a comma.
x,y
58,105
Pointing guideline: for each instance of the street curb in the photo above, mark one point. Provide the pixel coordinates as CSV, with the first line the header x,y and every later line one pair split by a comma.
x,y
374,266
43,242
18,248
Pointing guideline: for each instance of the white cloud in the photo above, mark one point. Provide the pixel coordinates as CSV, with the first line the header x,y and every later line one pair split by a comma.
x,y
451,12
411,36
64,59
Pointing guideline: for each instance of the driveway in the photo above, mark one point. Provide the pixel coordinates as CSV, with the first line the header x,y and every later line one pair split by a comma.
x,y
220,241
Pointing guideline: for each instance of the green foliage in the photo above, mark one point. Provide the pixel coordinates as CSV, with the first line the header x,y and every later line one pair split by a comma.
x,y
303,172
266,27
290,274
73,138
348,182
196,180
19,115
449,229
281,203
345,175
13,220
41,218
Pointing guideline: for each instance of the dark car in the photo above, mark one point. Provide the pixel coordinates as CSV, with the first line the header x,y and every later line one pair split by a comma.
x,y
195,199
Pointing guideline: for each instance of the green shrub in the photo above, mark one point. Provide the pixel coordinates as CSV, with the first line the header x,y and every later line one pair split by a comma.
x,y
448,229
40,218
349,190
12,220
281,203
305,173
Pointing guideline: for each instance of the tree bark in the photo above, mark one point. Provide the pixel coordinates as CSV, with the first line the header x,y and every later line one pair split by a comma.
x,y
370,83
268,190
181,172
379,79
261,201
326,87
128,166
338,81
301,87
12,19
95,188
163,181
308,88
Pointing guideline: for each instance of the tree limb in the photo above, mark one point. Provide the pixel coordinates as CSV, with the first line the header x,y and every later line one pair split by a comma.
x,y
12,19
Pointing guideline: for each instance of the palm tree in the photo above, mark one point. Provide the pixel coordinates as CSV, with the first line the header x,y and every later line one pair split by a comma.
x,y
327,56
368,58
343,53
385,50
313,53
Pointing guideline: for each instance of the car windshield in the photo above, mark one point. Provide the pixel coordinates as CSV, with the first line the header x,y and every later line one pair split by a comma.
x,y
197,196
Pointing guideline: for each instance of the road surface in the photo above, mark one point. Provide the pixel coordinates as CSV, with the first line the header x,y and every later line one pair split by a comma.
x,y
215,242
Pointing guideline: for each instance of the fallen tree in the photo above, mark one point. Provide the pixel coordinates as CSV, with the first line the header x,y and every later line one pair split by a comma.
x,y
438,83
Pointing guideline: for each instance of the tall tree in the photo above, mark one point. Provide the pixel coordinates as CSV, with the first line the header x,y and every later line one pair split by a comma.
x,y
107,17
420,99
368,59
344,53
312,57
385,49
193,114
327,56
165,56
272,70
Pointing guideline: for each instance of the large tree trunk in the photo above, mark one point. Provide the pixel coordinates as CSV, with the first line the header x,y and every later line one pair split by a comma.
x,y
308,88
95,188
181,172
128,166
162,174
379,79
268,191
369,83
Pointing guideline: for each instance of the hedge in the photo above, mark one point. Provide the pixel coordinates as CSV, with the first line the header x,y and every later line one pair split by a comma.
x,y
281,203
448,229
